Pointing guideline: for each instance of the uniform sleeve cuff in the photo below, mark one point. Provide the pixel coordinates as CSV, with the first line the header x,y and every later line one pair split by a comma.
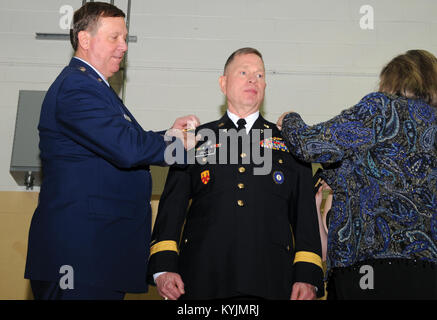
x,y
310,257
308,268
168,245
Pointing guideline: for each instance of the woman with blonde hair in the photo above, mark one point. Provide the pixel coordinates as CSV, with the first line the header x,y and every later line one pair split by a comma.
x,y
382,227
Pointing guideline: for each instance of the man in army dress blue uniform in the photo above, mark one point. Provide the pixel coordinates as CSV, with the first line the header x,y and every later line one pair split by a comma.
x,y
246,235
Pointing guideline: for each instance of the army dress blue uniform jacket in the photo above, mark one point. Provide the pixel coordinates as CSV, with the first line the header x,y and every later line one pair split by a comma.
x,y
94,205
244,234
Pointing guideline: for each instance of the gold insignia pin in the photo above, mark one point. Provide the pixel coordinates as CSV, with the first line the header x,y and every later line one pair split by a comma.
x,y
221,124
266,126
83,69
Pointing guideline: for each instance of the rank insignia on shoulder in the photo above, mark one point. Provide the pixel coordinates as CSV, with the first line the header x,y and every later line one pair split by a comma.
x,y
274,144
127,118
278,177
204,176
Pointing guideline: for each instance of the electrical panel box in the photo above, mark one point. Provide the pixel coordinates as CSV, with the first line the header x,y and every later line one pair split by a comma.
x,y
25,161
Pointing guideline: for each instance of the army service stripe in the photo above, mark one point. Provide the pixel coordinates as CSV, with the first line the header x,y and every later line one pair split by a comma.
x,y
310,257
167,245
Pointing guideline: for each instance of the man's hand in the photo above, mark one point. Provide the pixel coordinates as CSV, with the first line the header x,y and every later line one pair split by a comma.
x,y
187,137
186,123
303,291
281,118
170,285
183,128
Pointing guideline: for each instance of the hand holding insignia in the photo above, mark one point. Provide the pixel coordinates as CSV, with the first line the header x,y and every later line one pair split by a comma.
x,y
184,128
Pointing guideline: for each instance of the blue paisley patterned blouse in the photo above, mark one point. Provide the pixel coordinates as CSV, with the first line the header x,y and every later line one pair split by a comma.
x,y
385,183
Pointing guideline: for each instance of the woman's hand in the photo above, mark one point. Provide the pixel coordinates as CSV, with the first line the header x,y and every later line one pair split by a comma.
x,y
281,118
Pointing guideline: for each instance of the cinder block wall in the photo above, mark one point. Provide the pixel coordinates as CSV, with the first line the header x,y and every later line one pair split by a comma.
x,y
318,60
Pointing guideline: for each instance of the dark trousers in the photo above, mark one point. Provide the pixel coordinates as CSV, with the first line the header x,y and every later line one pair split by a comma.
x,y
45,290
384,279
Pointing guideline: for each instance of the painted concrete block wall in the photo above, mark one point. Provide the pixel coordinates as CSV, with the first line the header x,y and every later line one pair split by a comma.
x,y
318,58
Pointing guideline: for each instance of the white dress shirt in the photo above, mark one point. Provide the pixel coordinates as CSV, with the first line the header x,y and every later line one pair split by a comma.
x,y
250,119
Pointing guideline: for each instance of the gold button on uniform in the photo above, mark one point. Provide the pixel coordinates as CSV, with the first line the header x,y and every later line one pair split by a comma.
x,y
243,155
242,169
281,161
241,186
240,203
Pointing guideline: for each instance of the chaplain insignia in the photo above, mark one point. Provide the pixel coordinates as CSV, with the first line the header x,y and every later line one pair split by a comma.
x,y
278,177
204,176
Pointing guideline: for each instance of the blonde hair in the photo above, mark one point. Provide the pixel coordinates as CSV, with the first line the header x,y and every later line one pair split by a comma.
x,y
412,75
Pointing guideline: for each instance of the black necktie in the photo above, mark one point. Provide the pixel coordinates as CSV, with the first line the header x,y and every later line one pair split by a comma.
x,y
241,124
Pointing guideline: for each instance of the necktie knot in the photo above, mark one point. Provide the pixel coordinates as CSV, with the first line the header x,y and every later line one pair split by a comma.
x,y
241,124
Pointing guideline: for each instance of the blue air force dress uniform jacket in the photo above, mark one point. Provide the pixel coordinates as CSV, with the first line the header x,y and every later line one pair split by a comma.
x,y
94,211
244,234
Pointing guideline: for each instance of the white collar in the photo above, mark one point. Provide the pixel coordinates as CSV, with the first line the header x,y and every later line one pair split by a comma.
x,y
250,119
101,76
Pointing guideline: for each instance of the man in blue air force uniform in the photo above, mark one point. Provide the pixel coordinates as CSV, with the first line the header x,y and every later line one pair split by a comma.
x,y
92,223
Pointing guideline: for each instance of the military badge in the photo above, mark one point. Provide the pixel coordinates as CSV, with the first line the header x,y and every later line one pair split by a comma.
x,y
204,176
278,177
207,149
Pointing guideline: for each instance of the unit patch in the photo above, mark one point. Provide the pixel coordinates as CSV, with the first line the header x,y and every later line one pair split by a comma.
x,y
204,176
